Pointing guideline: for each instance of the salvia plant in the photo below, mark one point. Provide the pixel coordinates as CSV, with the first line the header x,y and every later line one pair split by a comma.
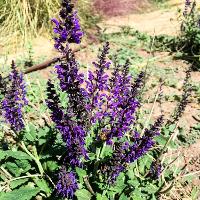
x,y
100,109
190,28
94,149
186,44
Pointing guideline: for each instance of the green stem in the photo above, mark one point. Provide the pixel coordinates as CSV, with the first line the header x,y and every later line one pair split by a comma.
x,y
35,157
89,187
99,156
38,161
7,174
23,177
102,150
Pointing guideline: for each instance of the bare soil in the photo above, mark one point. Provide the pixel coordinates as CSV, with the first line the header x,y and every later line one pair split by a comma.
x,y
110,8
162,21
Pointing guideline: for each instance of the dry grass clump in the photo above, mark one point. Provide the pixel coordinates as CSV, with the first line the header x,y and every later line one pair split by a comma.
x,y
24,18
21,20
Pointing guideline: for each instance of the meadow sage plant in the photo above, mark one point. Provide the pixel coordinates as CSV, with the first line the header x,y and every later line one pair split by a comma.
x,y
95,145
97,125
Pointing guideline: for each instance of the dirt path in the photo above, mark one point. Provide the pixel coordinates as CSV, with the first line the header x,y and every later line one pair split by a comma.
x,y
162,21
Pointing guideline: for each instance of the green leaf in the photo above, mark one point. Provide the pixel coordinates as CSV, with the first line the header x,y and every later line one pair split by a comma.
x,y
2,155
119,184
41,141
150,188
13,168
137,195
24,165
18,155
154,197
123,197
107,151
83,194
18,167
179,54
166,132
197,127
189,178
172,127
25,193
144,163
101,197
42,133
195,193
51,165
17,183
130,173
92,156
161,139
42,184
30,133
81,173
134,182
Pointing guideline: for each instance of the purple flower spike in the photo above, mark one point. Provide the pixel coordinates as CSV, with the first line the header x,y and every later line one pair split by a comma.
x,y
144,143
125,153
113,167
155,169
72,133
68,29
15,100
67,184
187,2
187,5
